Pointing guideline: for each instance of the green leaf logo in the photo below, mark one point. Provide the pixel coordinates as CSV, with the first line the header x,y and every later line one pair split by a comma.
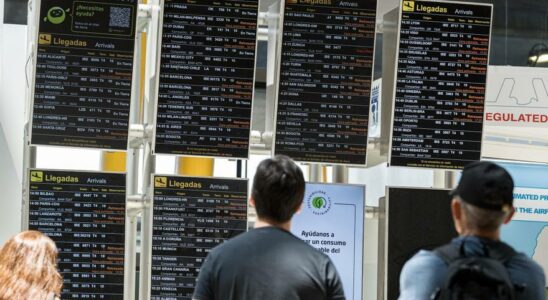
x,y
318,202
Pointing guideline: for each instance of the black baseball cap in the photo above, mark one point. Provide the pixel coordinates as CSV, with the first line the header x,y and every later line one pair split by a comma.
x,y
486,185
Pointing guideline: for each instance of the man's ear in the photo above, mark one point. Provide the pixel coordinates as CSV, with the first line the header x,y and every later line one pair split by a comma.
x,y
510,215
456,209
251,202
456,212
299,209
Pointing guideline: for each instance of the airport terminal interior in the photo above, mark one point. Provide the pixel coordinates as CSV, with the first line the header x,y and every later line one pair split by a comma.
x,y
130,130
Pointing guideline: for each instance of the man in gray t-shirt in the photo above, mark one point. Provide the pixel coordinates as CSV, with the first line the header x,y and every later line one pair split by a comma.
x,y
268,262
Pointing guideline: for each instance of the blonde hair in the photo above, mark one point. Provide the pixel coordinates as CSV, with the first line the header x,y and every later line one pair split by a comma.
x,y
28,268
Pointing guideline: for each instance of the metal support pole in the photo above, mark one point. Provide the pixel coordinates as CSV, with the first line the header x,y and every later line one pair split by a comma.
x,y
29,152
340,174
32,156
29,162
272,19
315,173
131,224
133,209
150,100
445,179
146,226
450,179
134,202
439,179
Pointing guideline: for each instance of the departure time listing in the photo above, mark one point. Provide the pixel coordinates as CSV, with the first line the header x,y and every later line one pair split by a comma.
x,y
206,78
84,213
441,81
325,80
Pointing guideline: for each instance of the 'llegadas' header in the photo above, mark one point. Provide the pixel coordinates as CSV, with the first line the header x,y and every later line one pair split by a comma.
x,y
447,8
74,177
177,183
162,182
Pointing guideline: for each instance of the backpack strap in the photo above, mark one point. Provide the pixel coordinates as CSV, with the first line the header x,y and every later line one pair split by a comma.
x,y
449,253
500,251
495,250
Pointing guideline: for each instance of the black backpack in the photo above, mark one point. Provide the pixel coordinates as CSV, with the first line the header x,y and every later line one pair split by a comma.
x,y
476,277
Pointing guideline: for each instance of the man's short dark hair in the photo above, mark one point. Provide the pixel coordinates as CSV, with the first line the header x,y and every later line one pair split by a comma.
x,y
278,189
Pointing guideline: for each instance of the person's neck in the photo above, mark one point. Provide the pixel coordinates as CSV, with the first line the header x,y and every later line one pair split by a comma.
x,y
490,235
267,223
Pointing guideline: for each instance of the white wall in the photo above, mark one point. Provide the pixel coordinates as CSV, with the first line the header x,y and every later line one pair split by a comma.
x,y
377,178
10,191
12,89
1,37
12,106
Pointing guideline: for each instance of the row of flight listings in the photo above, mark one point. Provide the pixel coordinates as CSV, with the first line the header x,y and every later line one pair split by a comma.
x,y
84,213
86,52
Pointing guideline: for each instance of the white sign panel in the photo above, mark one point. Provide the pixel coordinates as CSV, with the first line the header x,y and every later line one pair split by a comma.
x,y
531,204
331,221
517,96
516,114
528,230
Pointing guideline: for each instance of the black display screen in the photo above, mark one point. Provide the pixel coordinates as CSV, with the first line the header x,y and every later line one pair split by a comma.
x,y
84,213
416,219
441,81
325,80
191,216
206,78
84,69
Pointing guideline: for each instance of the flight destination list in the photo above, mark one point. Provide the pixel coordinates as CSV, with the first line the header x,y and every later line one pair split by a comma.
x,y
84,213
206,78
190,217
441,80
83,75
325,80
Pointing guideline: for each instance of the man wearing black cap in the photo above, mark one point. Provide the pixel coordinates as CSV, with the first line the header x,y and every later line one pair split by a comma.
x,y
482,203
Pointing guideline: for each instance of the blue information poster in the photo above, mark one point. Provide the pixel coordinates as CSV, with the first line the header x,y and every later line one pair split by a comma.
x,y
528,230
331,221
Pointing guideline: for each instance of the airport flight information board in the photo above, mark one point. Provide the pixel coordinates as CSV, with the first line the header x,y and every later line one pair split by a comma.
x,y
84,68
441,83
191,216
84,213
206,78
325,80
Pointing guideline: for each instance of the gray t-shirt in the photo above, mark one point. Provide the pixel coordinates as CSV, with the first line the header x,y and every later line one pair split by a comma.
x,y
267,264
